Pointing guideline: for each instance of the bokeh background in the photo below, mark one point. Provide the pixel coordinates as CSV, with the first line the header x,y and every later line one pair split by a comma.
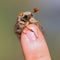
x,y
49,16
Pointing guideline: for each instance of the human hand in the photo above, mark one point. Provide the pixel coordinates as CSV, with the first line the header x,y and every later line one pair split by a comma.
x,y
34,45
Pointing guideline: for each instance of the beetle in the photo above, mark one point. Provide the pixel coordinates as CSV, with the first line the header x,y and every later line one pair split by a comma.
x,y
24,19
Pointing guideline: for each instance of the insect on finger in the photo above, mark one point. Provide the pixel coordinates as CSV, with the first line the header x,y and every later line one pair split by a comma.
x,y
26,18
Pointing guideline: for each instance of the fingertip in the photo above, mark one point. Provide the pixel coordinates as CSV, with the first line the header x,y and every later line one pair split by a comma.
x,y
38,44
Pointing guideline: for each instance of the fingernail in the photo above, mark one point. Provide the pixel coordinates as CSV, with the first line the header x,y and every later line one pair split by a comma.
x,y
31,36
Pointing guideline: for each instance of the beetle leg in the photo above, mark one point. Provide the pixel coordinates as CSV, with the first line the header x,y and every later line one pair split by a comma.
x,y
32,31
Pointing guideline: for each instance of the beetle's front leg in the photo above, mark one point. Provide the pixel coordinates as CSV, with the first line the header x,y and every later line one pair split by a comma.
x,y
32,30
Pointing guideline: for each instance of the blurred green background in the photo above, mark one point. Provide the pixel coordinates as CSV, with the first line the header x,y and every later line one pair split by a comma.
x,y
49,16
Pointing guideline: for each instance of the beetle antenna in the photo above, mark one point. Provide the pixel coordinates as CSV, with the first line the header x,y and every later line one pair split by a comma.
x,y
35,10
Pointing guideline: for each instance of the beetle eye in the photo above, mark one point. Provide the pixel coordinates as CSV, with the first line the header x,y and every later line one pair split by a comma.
x,y
25,16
